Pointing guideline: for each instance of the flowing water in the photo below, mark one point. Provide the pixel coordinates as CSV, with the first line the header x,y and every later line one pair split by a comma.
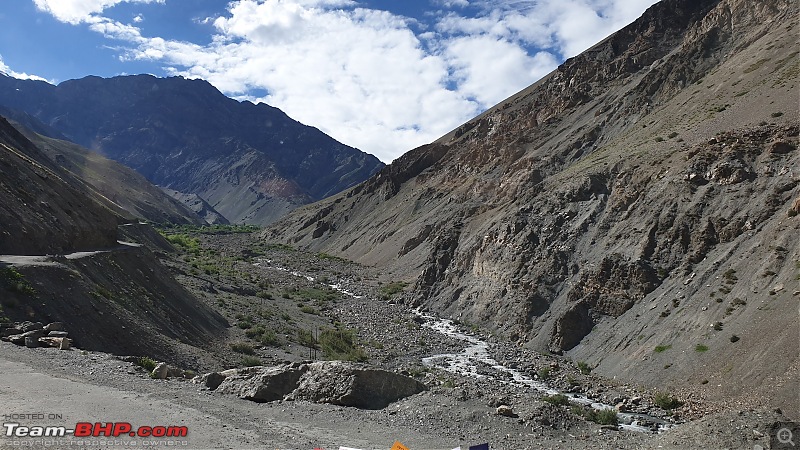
x,y
476,353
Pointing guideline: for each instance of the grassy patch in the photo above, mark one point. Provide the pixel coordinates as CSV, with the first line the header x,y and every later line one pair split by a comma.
x,y
392,288
666,401
662,348
146,363
14,281
584,367
250,361
243,348
557,399
340,344
602,417
701,348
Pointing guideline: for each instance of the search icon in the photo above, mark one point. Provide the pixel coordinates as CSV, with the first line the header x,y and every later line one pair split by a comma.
x,y
785,436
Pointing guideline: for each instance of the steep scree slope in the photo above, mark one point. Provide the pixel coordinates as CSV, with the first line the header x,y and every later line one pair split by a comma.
x,y
252,163
636,208
110,296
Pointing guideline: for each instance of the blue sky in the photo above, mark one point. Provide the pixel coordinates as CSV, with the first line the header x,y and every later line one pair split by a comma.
x,y
384,76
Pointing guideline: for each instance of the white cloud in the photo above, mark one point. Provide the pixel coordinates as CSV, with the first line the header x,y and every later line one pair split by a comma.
x,y
4,69
138,18
77,11
364,76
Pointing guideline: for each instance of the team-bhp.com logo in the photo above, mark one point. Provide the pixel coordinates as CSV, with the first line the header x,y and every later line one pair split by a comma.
x,y
97,429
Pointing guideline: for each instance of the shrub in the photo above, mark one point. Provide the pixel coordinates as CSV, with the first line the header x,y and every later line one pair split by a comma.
x,y
659,139
15,281
584,367
776,114
392,288
242,347
543,373
269,338
735,338
666,401
250,361
340,344
718,326
557,399
662,348
673,135
146,363
603,416
700,348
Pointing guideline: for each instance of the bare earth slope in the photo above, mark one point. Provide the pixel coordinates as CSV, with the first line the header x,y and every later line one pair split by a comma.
x,y
635,209
61,260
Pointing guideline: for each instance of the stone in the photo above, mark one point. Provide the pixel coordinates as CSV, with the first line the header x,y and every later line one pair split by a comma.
x,y
174,372
60,343
10,331
353,384
160,371
31,342
30,326
263,384
505,410
781,147
621,407
57,334
54,326
210,380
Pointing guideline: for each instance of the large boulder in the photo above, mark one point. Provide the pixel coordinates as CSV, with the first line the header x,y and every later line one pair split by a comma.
x,y
352,384
263,384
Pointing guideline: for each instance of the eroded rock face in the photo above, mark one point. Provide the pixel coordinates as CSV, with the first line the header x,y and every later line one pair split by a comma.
x,y
335,382
358,385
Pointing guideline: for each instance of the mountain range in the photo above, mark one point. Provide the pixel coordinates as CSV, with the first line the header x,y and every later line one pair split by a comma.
x,y
249,163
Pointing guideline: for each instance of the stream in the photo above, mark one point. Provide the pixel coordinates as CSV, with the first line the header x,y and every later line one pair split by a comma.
x,y
476,353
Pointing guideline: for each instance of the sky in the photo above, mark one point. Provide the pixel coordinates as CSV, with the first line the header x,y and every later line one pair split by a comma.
x,y
384,76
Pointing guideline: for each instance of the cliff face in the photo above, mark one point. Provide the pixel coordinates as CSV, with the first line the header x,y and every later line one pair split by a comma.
x,y
640,194
252,163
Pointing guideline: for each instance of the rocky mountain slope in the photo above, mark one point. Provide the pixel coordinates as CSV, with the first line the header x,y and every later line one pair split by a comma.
x,y
251,163
636,209
64,258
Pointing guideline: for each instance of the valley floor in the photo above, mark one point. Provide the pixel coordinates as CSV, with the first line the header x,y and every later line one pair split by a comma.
x,y
280,303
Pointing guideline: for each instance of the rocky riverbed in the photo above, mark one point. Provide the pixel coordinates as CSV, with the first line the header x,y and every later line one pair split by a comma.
x,y
275,297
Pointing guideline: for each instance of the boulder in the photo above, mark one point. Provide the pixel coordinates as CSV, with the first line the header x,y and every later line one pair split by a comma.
x,y
210,380
57,334
263,384
161,371
505,410
31,342
60,343
54,326
353,384
30,326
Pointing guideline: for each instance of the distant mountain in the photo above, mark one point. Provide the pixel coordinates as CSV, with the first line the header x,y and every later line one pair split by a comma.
x,y
251,163
637,209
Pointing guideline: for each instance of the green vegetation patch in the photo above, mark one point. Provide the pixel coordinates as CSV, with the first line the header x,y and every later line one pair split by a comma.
x,y
392,288
13,281
662,348
665,401
557,399
243,348
340,344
